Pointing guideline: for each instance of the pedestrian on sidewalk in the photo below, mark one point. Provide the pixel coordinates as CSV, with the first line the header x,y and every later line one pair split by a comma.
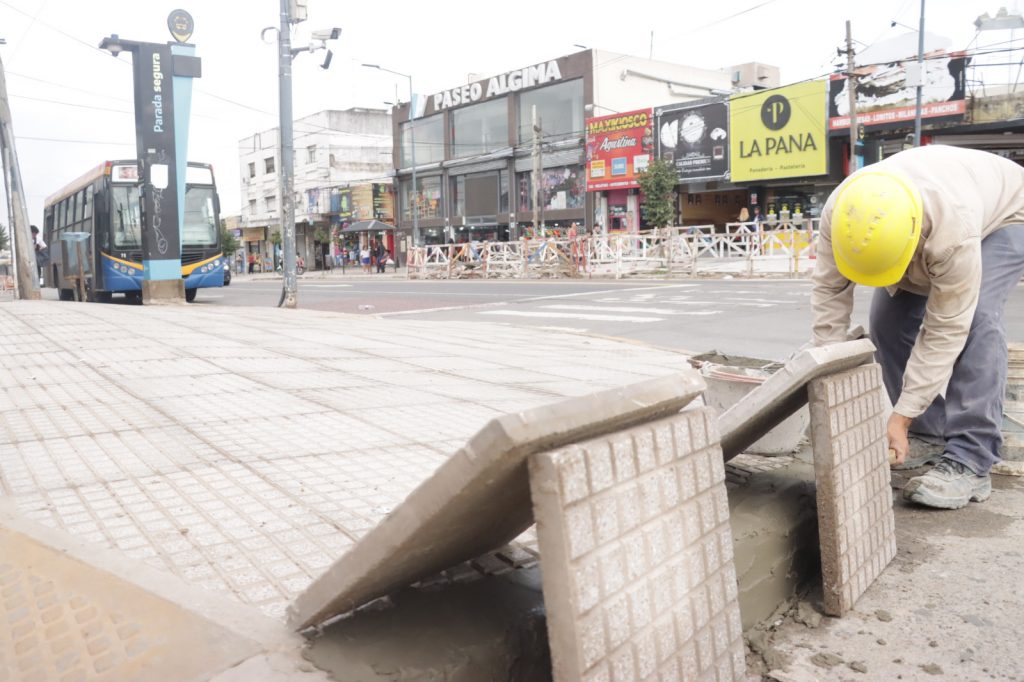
x,y
940,232
364,257
42,252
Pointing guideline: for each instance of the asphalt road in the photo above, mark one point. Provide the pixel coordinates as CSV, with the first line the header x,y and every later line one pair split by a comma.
x,y
758,318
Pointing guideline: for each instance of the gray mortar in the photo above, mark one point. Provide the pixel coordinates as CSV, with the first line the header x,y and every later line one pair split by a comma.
x,y
489,629
775,528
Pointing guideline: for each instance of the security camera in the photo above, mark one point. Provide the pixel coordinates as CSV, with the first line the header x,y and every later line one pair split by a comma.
x,y
327,34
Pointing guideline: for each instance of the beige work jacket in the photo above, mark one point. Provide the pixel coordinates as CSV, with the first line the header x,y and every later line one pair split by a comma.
x,y
967,195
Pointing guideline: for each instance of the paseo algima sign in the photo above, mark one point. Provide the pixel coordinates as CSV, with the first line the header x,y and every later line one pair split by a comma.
x,y
513,81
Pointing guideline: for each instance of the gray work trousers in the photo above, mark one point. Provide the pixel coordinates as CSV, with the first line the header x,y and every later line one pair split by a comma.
x,y
970,416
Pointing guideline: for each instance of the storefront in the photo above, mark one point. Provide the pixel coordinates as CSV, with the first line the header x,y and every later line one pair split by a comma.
x,y
619,148
473,154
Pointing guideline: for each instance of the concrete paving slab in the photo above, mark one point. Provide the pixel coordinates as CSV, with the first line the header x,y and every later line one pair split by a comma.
x,y
785,392
66,618
479,498
856,525
637,555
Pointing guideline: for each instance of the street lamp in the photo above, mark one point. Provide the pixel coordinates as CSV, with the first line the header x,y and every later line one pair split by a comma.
x,y
412,143
285,140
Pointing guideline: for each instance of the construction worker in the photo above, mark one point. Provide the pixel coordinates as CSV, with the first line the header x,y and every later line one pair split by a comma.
x,y
940,232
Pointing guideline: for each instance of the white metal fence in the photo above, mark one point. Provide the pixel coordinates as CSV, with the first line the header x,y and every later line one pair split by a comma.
x,y
742,249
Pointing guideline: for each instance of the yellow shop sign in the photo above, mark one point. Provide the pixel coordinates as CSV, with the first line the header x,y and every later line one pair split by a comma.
x,y
778,133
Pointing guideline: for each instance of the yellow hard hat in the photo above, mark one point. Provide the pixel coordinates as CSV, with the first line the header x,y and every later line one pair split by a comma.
x,y
876,225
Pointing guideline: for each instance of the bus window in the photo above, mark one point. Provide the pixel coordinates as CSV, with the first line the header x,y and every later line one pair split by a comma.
x,y
200,226
79,200
87,207
125,222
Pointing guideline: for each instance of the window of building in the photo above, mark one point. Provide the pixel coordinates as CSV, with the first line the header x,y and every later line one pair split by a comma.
x,y
561,187
427,199
429,134
480,128
252,207
252,169
268,164
311,154
271,203
479,194
560,108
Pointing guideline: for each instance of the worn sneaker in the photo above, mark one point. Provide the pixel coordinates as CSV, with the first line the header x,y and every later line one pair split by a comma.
x,y
922,453
948,485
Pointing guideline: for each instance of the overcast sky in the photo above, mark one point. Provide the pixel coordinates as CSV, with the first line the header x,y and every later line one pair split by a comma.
x,y
72,103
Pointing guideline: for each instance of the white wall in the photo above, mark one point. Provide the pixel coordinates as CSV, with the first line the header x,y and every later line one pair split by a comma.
x,y
623,82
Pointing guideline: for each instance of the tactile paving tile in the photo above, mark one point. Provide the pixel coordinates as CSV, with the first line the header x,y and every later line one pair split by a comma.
x,y
65,621
636,555
855,517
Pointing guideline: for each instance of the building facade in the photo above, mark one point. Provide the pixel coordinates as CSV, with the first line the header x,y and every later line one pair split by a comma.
x,y
333,150
474,145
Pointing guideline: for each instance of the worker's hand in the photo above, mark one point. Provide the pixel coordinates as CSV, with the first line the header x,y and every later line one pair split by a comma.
x,y
896,432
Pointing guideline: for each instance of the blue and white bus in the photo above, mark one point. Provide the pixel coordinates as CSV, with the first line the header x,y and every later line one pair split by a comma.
x,y
102,209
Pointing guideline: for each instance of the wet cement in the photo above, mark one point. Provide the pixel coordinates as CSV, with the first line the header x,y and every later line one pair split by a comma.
x,y
492,629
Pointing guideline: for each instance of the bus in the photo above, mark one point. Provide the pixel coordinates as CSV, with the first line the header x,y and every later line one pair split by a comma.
x,y
99,215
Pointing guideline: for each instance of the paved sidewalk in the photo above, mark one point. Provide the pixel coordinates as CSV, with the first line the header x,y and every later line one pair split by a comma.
x,y
243,450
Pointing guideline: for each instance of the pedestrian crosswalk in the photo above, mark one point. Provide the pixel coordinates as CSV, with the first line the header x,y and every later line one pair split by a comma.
x,y
641,307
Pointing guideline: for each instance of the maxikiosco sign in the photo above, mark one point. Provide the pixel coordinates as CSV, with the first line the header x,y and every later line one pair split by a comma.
x,y
778,133
520,79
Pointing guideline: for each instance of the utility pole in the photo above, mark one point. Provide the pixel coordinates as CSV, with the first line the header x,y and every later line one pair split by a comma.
x,y
286,145
851,86
27,280
536,173
920,77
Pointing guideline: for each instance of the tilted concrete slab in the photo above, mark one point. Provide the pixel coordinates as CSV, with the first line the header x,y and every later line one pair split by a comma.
x,y
637,555
785,392
479,499
856,526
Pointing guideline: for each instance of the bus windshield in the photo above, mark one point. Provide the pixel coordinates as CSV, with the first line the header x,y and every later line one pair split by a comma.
x,y
125,223
200,224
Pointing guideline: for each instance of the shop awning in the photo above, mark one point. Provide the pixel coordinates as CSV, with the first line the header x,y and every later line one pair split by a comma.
x,y
368,226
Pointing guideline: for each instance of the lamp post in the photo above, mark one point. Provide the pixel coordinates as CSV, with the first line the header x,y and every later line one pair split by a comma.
x,y
286,142
412,144
920,79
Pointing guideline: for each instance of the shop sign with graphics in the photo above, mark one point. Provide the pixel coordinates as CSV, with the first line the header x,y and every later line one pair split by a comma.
x,y
887,93
695,140
778,133
619,147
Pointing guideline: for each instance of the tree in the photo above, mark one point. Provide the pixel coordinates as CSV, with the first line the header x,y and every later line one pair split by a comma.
x,y
229,241
658,183
4,241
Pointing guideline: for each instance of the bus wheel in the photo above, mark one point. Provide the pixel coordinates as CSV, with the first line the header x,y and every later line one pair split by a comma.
x,y
133,297
97,296
66,294
190,294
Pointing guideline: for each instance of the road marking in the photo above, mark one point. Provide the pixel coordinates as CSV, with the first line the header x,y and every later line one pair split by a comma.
x,y
574,316
324,286
618,309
